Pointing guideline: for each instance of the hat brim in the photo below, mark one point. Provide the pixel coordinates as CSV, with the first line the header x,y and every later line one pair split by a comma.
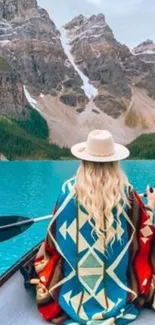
x,y
79,151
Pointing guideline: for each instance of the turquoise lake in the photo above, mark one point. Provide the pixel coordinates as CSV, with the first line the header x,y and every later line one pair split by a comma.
x,y
30,189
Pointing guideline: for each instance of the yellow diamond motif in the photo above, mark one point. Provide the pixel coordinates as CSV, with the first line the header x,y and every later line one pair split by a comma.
x,y
146,231
120,232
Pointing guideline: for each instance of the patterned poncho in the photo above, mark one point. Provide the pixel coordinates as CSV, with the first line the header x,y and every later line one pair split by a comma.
x,y
78,283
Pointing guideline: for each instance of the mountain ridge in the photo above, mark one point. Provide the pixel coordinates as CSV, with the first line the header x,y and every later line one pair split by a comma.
x,y
98,83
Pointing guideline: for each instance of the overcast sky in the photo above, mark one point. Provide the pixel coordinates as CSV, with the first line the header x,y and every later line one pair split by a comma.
x,y
132,21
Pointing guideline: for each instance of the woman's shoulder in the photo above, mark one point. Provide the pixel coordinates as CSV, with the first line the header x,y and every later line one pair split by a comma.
x,y
68,186
66,194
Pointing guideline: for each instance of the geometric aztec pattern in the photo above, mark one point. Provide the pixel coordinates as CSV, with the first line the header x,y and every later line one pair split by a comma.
x,y
84,290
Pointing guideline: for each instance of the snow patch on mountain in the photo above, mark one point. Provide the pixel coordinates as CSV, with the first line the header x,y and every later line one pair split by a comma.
x,y
89,90
3,43
30,100
142,53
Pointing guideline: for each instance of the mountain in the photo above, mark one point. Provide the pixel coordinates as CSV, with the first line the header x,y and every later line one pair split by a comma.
x,y
99,56
145,52
75,79
30,43
12,99
124,79
112,67
146,47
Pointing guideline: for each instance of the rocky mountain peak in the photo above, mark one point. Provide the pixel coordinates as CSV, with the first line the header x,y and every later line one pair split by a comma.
x,y
92,32
146,43
147,47
101,15
24,19
95,18
99,56
30,44
92,25
76,22
9,9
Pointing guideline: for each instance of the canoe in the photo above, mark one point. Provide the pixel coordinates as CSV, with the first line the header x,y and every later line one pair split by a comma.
x,y
23,261
17,305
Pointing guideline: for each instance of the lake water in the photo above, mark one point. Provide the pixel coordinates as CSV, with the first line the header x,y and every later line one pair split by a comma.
x,y
30,189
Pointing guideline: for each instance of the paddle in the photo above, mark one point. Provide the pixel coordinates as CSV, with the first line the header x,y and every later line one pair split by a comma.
x,y
11,226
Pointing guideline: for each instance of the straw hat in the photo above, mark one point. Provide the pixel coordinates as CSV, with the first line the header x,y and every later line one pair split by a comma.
x,y
100,147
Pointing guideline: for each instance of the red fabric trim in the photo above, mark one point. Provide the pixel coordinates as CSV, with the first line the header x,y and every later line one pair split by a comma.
x,y
50,311
49,269
48,248
143,266
39,259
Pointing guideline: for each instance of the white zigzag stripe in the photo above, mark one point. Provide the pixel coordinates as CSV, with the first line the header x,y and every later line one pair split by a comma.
x,y
66,279
112,267
63,205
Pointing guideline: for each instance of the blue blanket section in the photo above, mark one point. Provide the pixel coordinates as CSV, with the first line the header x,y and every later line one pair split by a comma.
x,y
31,189
23,309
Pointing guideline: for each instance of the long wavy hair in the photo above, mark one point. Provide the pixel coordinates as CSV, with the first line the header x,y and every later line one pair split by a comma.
x,y
101,187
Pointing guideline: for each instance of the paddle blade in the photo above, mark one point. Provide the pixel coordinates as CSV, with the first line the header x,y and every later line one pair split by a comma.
x,y
18,226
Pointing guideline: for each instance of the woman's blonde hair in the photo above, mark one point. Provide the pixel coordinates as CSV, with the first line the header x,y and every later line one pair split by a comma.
x,y
100,188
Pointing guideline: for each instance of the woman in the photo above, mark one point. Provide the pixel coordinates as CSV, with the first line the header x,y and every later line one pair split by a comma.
x,y
97,263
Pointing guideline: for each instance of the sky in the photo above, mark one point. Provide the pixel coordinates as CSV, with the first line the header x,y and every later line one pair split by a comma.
x,y
132,21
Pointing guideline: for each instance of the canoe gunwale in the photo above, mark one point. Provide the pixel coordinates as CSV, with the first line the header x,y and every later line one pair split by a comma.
x,y
16,267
